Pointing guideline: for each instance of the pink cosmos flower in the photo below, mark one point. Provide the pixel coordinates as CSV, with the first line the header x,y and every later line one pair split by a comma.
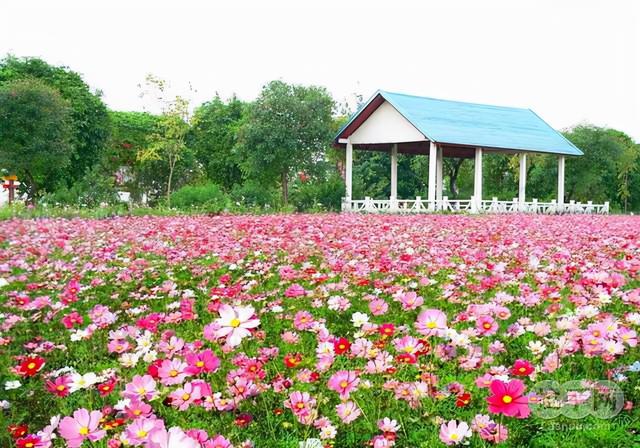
x,y
174,438
138,431
141,387
172,371
348,411
217,442
83,425
454,433
508,399
205,361
235,323
378,307
486,325
295,290
344,382
431,322
303,320
185,396
410,301
407,344
494,432
302,405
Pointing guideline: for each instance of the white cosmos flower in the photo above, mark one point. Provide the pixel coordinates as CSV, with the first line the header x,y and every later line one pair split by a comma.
x,y
235,323
10,385
359,319
85,381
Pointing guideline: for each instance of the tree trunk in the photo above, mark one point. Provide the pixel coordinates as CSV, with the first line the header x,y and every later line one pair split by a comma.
x,y
453,176
285,188
172,165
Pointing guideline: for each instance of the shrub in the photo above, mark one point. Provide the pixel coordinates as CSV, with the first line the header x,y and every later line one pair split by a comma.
x,y
206,197
318,194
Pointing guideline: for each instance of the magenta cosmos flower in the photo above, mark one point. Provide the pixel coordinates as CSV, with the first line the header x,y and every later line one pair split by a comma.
x,y
431,322
83,425
508,399
344,382
235,323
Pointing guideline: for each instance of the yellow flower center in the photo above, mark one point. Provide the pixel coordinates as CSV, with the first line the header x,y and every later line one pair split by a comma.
x,y
200,364
453,436
185,397
235,323
522,369
173,373
431,325
28,445
142,391
141,434
300,405
507,399
84,430
137,412
344,384
486,325
31,365
60,387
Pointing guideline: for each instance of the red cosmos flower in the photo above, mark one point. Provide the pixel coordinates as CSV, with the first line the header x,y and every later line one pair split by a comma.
x,y
522,367
406,358
17,431
463,400
30,366
292,360
386,330
107,387
341,345
426,348
243,420
30,441
153,368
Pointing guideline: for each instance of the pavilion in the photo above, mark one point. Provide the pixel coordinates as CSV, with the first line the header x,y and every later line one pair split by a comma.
x,y
398,123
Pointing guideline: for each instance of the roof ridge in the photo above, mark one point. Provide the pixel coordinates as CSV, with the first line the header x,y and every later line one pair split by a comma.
x,y
451,101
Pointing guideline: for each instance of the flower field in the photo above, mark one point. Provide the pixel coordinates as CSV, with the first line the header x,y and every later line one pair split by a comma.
x,y
320,330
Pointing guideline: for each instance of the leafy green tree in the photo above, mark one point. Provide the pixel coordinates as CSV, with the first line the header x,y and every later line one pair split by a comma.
x,y
168,143
89,122
287,129
213,136
35,134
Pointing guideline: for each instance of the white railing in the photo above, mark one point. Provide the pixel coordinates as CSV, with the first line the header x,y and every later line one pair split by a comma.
x,y
419,205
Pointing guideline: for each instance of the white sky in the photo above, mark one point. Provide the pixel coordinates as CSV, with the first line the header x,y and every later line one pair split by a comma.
x,y
570,61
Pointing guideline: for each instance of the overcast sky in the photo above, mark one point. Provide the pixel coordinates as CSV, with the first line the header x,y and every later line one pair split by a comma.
x,y
570,61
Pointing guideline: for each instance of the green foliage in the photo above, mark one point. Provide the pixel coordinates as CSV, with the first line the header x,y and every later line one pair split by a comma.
x,y
168,142
35,134
288,129
213,136
94,189
318,194
206,197
89,123
251,194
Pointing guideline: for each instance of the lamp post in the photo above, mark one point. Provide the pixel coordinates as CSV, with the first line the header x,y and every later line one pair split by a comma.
x,y
10,184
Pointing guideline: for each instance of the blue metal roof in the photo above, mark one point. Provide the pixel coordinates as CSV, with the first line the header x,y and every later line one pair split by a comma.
x,y
481,125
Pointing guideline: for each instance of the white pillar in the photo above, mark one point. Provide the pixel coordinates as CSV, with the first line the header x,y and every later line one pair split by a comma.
x,y
431,196
439,180
477,180
522,187
349,171
394,171
560,182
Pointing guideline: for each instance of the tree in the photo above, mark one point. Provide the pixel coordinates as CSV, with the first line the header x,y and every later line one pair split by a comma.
x,y
168,142
130,134
35,134
287,129
89,122
213,136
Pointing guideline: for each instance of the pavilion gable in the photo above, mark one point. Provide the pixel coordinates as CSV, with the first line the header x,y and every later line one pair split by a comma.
x,y
386,125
